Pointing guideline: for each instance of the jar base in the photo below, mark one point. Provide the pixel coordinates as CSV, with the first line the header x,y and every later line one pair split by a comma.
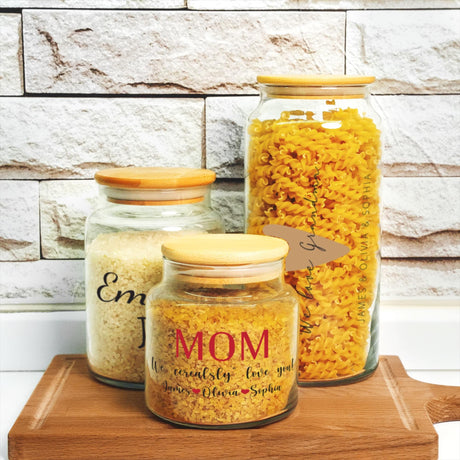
x,y
341,381
117,383
233,426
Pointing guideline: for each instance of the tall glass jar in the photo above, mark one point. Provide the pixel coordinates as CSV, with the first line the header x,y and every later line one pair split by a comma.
x,y
222,333
142,207
312,164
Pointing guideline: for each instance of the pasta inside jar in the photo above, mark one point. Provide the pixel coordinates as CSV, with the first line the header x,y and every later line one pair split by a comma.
x,y
315,168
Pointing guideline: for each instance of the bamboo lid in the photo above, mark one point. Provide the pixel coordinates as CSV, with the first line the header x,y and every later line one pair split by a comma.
x,y
315,80
225,249
154,177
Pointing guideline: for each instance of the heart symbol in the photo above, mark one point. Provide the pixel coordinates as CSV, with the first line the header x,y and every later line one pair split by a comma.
x,y
245,392
196,390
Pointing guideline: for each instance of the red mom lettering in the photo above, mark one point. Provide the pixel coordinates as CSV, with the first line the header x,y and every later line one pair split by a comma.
x,y
222,338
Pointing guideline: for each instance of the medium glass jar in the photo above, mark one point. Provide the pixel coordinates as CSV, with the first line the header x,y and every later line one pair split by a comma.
x,y
312,164
141,208
222,333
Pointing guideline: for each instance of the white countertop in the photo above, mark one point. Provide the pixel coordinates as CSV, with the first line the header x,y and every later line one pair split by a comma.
x,y
28,341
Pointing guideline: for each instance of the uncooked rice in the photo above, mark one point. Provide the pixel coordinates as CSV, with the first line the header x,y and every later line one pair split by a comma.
x,y
114,328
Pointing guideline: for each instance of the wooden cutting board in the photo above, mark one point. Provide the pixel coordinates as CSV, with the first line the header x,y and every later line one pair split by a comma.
x,y
387,416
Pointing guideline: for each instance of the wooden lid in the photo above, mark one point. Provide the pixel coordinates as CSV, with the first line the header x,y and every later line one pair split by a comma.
x,y
315,80
225,249
154,178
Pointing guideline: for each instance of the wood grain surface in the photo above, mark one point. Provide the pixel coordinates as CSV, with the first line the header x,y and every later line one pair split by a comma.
x,y
388,416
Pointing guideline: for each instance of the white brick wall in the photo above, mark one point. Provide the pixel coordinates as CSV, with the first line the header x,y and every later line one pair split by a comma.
x,y
409,52
10,62
166,82
19,222
174,52
43,137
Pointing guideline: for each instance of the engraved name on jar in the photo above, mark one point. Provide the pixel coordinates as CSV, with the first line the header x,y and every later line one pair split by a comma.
x,y
118,296
242,346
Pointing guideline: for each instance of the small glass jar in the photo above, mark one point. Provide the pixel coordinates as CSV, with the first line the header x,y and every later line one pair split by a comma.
x,y
222,332
312,164
141,208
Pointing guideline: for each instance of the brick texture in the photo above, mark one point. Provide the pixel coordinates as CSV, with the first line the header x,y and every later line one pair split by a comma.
x,y
74,137
174,52
19,223
412,52
10,55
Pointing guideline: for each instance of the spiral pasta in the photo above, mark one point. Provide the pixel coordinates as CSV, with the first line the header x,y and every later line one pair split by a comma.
x,y
325,181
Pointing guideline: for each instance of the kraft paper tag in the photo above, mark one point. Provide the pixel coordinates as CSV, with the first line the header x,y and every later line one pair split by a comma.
x,y
306,250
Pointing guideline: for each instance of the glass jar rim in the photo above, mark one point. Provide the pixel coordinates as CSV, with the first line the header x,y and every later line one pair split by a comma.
x,y
221,275
155,197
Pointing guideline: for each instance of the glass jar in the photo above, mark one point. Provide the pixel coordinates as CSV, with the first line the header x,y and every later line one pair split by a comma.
x,y
312,164
221,333
141,208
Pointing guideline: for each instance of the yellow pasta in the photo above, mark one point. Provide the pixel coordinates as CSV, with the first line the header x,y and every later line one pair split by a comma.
x,y
325,181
